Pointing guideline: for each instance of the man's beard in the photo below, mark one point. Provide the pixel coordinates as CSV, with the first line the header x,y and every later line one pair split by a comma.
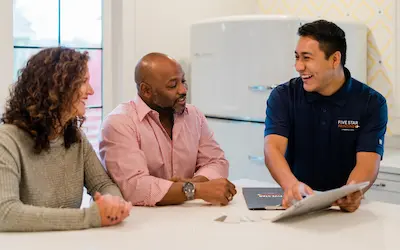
x,y
171,110
161,109
168,109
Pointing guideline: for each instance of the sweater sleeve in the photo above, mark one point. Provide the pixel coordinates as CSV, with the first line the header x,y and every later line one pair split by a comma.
x,y
96,177
16,216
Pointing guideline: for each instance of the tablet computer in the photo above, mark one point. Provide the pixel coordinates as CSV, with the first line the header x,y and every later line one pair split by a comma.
x,y
263,198
319,201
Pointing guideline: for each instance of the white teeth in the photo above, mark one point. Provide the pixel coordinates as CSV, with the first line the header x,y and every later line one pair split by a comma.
x,y
306,76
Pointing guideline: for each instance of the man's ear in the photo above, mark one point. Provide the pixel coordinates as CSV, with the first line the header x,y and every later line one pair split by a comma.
x,y
145,89
336,59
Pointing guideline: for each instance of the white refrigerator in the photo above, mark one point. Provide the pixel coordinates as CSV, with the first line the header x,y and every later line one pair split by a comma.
x,y
236,61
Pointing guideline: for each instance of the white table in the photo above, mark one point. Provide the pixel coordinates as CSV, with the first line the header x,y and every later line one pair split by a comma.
x,y
190,226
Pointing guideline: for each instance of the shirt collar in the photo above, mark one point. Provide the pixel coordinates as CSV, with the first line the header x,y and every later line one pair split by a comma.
x,y
339,97
143,109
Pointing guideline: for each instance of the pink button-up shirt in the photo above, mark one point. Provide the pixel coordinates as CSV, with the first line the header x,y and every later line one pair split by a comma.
x,y
141,157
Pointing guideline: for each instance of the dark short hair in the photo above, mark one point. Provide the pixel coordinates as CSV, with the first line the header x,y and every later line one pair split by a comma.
x,y
331,37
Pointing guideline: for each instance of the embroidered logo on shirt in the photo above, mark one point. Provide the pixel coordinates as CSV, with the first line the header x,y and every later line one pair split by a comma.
x,y
348,125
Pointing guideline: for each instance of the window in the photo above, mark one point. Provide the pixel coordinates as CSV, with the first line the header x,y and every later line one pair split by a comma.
x,y
73,23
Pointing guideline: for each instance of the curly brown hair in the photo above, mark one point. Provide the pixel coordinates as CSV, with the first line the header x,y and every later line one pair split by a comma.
x,y
45,91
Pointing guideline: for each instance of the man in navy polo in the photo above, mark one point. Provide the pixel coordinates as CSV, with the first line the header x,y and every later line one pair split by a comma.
x,y
323,129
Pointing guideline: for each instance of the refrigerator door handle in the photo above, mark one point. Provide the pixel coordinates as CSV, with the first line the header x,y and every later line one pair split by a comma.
x,y
256,158
261,88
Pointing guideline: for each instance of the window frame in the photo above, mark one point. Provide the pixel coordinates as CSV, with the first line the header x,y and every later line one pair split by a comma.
x,y
101,48
6,51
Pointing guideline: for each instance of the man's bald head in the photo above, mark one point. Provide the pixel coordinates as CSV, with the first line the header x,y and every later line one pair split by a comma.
x,y
149,65
161,83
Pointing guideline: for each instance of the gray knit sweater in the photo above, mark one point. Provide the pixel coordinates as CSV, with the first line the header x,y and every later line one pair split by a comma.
x,y
41,192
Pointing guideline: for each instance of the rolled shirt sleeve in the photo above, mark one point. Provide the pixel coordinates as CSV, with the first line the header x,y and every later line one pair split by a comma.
x,y
126,162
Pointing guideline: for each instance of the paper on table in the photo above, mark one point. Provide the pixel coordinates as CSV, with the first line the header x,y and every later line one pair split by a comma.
x,y
238,218
221,218
319,201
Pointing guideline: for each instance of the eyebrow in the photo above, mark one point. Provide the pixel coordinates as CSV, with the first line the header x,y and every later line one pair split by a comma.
x,y
174,78
304,53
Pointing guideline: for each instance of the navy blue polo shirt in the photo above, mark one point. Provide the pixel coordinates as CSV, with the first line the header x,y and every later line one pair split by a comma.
x,y
325,132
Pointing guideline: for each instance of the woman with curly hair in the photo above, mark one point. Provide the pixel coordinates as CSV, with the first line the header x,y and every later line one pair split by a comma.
x,y
45,158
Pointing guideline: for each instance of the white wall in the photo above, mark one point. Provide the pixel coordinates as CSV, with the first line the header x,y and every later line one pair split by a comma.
x,y
118,51
396,117
164,25
142,26
397,40
6,50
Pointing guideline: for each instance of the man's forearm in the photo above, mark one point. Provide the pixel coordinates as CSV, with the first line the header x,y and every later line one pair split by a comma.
x,y
360,174
199,178
366,169
279,168
174,196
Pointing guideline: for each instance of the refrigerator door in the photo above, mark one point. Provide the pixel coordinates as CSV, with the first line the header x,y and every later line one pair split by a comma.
x,y
235,63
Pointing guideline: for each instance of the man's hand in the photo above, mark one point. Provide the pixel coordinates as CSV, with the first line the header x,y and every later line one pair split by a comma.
x,y
295,193
351,202
218,191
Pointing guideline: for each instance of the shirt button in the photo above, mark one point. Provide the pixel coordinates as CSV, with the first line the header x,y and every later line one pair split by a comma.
x,y
323,123
323,110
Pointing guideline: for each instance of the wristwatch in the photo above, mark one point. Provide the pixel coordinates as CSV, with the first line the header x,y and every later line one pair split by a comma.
x,y
189,189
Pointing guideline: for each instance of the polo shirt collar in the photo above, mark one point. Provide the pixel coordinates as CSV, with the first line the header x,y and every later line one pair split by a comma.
x,y
339,97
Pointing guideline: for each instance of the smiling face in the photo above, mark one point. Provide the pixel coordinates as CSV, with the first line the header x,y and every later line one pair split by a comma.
x,y
314,68
85,90
172,89
165,87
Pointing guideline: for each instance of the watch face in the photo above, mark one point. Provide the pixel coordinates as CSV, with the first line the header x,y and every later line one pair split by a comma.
x,y
188,187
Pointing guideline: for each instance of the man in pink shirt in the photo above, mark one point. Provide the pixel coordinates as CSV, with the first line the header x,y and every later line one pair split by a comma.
x,y
159,150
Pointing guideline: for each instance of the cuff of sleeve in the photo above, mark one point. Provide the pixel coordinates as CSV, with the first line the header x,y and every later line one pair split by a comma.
x,y
373,149
162,187
280,132
113,190
210,173
92,215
